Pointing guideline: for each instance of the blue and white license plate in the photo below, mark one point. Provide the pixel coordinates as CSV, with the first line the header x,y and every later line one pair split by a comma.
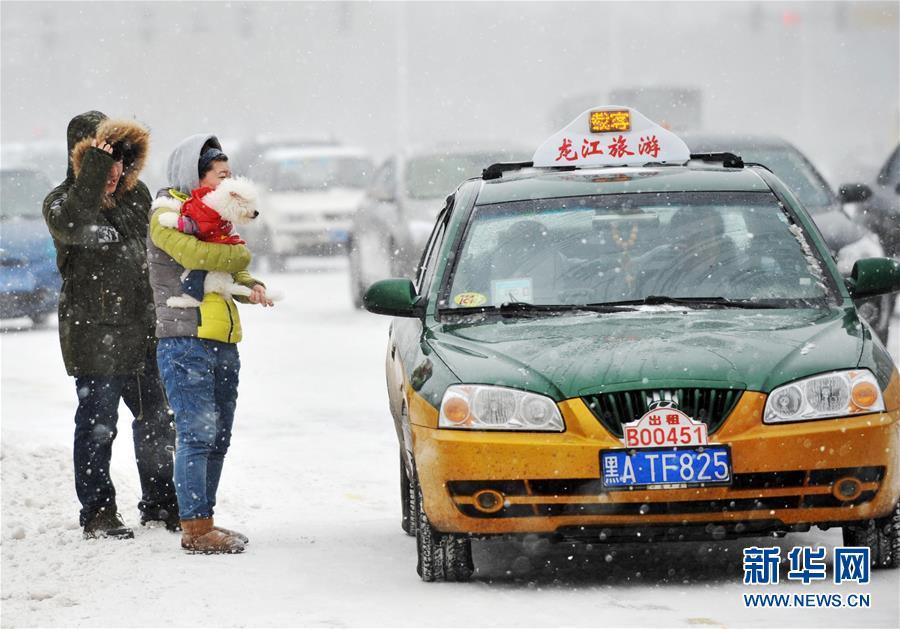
x,y
666,467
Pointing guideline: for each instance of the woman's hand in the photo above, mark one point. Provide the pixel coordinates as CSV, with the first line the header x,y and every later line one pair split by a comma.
x,y
258,296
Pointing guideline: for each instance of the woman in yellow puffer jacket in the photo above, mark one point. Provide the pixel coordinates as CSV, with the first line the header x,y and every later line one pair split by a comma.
x,y
197,353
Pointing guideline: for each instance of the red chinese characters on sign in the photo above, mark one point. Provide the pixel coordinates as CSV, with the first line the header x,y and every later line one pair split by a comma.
x,y
649,146
679,430
566,151
589,148
619,147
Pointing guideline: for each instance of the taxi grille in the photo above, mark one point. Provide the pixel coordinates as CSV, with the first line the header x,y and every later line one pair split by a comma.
x,y
708,405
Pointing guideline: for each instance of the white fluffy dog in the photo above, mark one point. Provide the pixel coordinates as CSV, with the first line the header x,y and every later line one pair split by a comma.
x,y
235,201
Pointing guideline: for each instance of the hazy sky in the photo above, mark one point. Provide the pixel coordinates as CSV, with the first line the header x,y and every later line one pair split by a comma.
x,y
382,75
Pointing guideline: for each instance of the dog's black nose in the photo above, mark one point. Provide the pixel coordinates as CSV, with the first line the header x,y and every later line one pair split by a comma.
x,y
255,213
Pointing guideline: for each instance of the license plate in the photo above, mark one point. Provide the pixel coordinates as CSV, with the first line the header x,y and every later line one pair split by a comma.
x,y
666,467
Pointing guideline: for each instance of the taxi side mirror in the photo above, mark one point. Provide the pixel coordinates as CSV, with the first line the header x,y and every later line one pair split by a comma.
x,y
854,193
395,297
874,276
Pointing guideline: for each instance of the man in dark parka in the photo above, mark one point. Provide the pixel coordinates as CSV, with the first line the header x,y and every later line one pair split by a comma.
x,y
98,220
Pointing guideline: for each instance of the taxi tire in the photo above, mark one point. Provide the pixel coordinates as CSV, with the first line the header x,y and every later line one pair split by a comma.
x,y
440,557
408,502
881,536
889,540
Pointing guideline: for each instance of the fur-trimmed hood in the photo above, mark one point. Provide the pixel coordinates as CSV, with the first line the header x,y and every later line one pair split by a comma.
x,y
128,136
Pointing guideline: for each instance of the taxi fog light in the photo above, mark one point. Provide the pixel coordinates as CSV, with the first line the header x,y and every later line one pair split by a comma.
x,y
484,407
489,500
847,489
830,395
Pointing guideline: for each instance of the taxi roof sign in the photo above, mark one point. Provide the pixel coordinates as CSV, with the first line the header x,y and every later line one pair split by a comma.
x,y
611,136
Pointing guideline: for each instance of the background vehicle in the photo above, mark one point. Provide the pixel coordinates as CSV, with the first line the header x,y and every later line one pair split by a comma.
x,y
45,156
849,240
391,227
309,194
29,279
881,203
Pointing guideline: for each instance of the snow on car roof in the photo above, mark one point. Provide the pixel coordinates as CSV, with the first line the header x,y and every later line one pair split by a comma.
x,y
537,183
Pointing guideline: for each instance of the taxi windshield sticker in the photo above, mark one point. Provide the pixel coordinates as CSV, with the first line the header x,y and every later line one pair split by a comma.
x,y
470,300
511,290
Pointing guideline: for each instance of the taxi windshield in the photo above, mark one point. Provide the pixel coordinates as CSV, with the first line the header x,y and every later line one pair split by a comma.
x,y
605,249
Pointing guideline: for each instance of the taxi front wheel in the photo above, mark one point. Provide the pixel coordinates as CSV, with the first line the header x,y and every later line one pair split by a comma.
x,y
441,557
408,501
881,536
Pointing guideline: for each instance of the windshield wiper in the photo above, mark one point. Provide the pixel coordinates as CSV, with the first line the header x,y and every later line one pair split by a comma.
x,y
525,309
659,300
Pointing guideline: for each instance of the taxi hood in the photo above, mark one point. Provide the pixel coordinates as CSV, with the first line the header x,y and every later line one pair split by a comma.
x,y
571,355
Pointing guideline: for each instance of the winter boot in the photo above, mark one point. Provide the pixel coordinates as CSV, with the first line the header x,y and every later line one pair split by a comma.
x,y
167,515
200,536
107,523
244,539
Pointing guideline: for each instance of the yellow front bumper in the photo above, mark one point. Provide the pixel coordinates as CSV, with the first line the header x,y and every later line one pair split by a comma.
x,y
782,474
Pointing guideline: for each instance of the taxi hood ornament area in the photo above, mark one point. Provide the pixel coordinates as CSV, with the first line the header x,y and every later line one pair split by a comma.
x,y
611,136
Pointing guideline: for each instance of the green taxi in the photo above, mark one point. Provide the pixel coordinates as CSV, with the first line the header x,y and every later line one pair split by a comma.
x,y
621,341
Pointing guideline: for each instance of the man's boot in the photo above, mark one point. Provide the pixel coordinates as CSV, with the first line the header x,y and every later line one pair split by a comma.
x,y
166,515
107,523
200,536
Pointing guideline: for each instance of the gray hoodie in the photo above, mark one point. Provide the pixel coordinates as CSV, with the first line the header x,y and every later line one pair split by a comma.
x,y
181,169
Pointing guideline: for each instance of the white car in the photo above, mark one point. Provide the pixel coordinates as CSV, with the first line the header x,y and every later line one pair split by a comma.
x,y
309,196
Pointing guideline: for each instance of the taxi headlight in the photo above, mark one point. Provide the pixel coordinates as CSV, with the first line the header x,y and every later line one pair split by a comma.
x,y
835,394
481,407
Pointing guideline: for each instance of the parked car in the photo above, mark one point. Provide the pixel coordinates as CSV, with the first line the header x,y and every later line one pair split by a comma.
x,y
631,345
391,227
29,279
848,240
309,194
880,203
45,156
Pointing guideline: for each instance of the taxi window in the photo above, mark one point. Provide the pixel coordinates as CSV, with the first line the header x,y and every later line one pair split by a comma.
x,y
609,248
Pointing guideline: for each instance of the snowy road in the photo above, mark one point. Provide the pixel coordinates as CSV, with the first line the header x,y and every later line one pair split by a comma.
x,y
312,479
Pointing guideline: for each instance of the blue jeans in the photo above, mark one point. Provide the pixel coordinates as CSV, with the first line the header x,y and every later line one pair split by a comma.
x,y
95,430
201,380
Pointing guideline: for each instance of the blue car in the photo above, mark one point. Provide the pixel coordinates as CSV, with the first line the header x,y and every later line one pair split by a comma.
x,y
29,279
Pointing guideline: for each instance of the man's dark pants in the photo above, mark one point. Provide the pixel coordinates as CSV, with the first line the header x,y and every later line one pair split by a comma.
x,y
154,440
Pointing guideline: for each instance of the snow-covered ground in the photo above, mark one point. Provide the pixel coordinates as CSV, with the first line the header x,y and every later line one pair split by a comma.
x,y
312,479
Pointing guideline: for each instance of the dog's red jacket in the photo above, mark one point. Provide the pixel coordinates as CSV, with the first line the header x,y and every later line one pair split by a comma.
x,y
202,221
